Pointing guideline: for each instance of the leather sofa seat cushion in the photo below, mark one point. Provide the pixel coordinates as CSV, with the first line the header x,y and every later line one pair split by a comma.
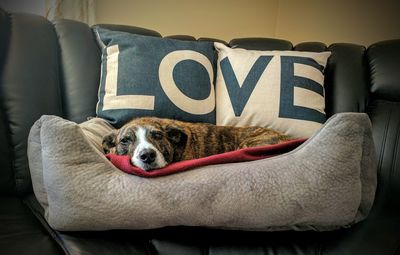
x,y
20,231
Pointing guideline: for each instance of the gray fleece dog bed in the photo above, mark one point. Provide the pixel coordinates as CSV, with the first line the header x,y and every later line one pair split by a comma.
x,y
326,183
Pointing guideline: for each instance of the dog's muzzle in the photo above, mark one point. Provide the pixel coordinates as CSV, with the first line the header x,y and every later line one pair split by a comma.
x,y
147,159
147,156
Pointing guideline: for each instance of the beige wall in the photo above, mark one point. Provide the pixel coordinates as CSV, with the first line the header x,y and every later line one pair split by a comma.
x,y
224,19
357,21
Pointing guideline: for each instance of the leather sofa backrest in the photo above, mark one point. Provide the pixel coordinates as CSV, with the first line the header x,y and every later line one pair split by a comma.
x,y
29,87
384,110
55,69
383,60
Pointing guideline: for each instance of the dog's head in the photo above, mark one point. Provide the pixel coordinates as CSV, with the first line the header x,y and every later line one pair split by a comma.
x,y
150,142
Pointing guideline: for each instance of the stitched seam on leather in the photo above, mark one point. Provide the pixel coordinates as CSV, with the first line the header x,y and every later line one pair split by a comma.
x,y
393,163
383,144
382,151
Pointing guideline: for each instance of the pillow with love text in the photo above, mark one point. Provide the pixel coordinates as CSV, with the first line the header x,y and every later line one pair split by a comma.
x,y
282,90
152,76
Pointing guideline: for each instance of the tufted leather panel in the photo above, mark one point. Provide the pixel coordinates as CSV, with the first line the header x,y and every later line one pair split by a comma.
x,y
384,59
384,111
79,69
346,79
29,86
311,46
261,44
7,183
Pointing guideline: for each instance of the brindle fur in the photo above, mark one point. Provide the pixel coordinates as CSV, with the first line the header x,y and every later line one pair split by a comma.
x,y
178,140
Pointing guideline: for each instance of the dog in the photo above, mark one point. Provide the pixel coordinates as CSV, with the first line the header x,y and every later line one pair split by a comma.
x,y
154,142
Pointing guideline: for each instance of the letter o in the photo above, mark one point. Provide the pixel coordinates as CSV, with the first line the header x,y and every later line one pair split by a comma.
x,y
168,84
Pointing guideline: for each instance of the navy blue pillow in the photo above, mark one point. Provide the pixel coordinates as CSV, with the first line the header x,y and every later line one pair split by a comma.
x,y
152,76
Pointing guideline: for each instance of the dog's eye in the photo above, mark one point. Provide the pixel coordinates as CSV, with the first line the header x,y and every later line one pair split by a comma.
x,y
125,141
157,135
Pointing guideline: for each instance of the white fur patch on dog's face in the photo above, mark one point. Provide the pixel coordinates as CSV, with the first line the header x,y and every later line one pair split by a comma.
x,y
141,144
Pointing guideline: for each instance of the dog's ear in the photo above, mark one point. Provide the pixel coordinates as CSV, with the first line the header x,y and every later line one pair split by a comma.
x,y
176,134
110,141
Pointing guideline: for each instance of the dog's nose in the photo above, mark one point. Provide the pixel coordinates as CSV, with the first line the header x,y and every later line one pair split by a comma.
x,y
147,156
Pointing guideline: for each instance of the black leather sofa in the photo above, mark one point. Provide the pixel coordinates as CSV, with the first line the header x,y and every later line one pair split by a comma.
x,y
50,68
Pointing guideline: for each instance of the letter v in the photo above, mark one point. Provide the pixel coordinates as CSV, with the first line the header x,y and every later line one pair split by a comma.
x,y
239,95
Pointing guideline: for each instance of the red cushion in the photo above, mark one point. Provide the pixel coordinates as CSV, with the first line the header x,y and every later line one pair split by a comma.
x,y
123,162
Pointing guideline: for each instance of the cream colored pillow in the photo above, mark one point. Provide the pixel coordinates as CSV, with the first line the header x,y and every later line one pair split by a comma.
x,y
283,90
